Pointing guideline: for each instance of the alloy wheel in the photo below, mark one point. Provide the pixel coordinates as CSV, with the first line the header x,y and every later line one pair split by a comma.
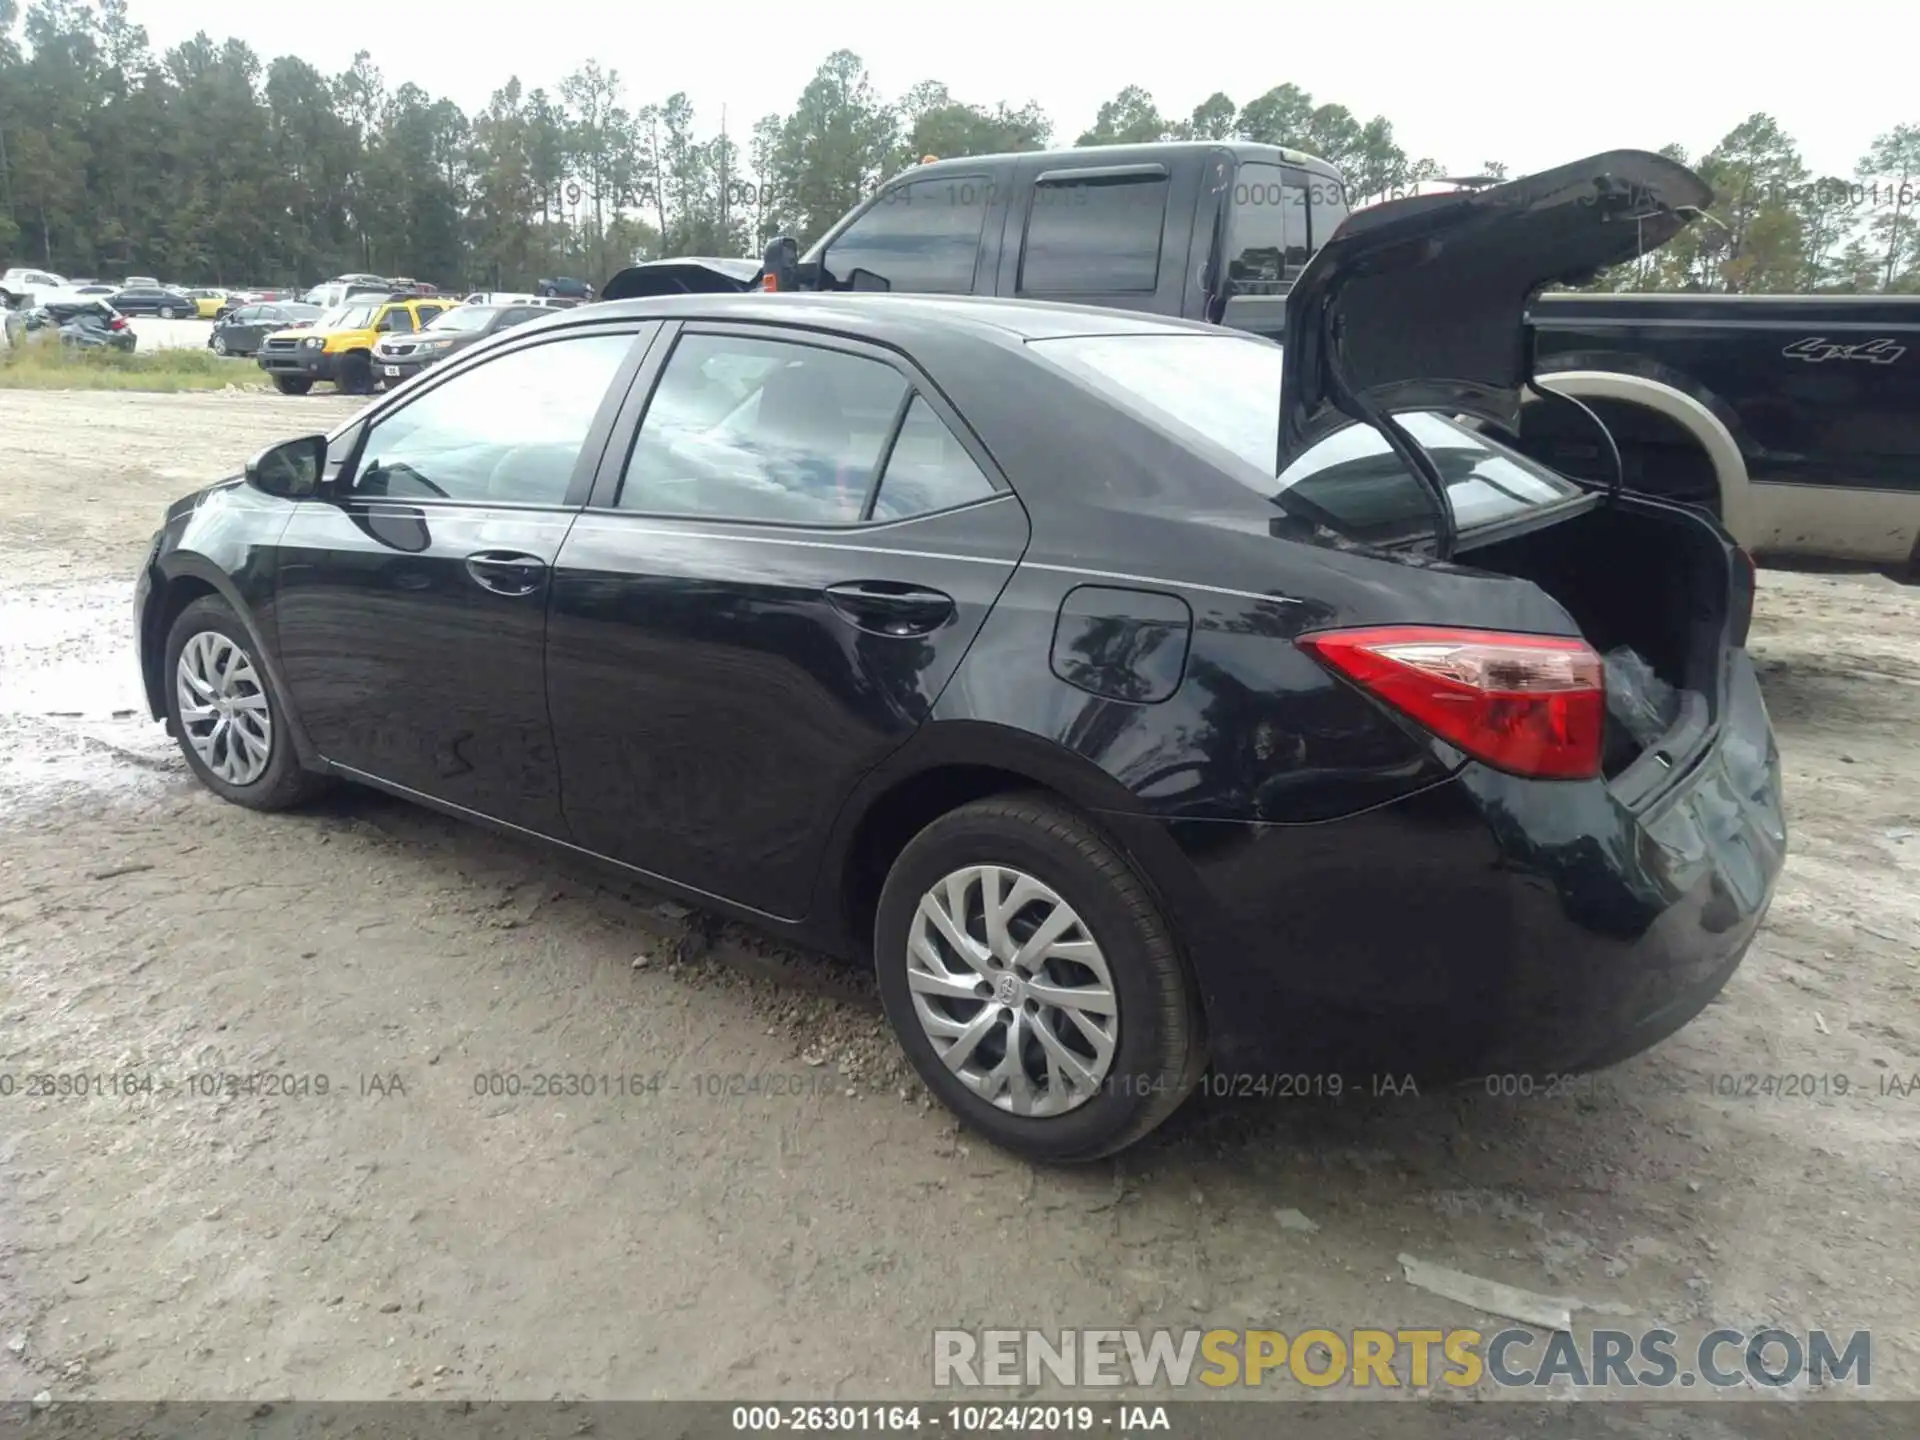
x,y
1013,990
223,708
219,344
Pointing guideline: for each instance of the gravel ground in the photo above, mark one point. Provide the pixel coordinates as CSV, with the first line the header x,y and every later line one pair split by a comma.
x,y
407,1236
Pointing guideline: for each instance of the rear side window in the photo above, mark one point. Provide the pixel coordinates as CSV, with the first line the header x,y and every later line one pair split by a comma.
x,y
928,470
1267,241
1220,396
751,429
1094,237
923,236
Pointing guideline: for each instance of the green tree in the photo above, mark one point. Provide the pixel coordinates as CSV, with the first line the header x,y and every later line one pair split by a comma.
x,y
1130,118
1890,172
835,147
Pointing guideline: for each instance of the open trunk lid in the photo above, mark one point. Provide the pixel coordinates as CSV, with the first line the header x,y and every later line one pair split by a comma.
x,y
687,275
1420,304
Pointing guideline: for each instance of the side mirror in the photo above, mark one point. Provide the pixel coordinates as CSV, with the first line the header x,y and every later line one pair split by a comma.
x,y
777,264
290,470
859,279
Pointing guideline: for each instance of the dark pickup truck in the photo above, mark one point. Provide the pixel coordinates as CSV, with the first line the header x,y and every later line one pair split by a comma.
x,y
1796,419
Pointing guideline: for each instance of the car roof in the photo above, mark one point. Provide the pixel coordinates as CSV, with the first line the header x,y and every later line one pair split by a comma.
x,y
1142,153
882,316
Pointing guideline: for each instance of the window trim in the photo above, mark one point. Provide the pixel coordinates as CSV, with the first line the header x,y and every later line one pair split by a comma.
x,y
642,337
618,452
1118,175
983,178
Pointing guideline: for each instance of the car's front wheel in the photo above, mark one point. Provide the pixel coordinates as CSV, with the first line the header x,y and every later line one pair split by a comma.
x,y
356,374
230,724
219,343
292,384
1033,983
167,312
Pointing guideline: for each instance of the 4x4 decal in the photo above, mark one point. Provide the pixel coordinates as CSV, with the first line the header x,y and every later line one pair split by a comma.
x,y
1816,349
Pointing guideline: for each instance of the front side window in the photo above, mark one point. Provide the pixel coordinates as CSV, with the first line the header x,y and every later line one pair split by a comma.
x,y
508,431
398,319
923,236
1326,206
1267,237
1094,237
753,429
1220,395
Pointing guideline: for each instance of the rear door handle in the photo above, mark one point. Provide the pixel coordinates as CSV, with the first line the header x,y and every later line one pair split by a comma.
x,y
507,572
887,607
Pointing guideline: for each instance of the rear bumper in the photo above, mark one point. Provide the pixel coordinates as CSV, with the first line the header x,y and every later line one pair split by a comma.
x,y
1488,925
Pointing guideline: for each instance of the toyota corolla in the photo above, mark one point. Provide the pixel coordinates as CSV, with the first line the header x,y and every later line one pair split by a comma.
x,y
1135,696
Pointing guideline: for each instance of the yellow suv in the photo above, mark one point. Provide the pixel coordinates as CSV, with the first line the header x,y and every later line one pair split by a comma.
x,y
339,345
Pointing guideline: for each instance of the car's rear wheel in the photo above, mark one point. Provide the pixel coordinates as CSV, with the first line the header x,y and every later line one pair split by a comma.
x,y
230,724
356,375
292,384
1033,983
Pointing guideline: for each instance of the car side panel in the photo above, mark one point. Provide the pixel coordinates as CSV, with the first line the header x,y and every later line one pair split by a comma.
x,y
712,707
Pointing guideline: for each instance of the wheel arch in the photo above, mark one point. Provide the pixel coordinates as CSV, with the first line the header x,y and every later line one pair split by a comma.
x,y
180,579
1691,413
946,765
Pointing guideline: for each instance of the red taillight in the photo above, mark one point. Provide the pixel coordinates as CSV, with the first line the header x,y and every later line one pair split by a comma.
x,y
769,282
1530,704
119,322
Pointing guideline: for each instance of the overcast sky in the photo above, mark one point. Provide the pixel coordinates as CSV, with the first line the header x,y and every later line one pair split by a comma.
x,y
1529,84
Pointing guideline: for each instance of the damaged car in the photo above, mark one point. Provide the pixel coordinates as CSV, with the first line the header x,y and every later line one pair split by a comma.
x,y
1250,716
79,322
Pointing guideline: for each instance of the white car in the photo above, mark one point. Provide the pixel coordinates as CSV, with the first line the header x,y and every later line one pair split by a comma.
x,y
32,287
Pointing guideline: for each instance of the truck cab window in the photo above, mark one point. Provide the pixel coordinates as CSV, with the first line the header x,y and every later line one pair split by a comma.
x,y
1267,240
923,236
1094,237
1326,207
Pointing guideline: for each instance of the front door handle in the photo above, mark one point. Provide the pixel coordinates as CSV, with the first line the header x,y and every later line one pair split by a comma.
x,y
507,572
887,607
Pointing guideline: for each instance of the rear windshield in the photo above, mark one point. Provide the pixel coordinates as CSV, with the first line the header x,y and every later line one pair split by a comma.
x,y
1221,395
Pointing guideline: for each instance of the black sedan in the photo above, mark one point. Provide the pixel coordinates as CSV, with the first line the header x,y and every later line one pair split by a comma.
x,y
142,301
240,331
402,356
986,642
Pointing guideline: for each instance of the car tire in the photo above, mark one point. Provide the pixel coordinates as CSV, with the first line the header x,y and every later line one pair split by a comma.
x,y
219,344
292,384
356,374
167,312
206,642
1155,1039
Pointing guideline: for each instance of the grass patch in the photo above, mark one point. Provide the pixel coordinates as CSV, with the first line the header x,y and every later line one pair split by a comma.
x,y
48,365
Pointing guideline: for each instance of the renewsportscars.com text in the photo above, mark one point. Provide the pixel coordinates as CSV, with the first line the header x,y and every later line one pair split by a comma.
x,y
1516,1357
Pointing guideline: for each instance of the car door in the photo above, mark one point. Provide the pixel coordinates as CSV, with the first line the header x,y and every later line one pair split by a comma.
x,y
243,328
776,576
411,598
